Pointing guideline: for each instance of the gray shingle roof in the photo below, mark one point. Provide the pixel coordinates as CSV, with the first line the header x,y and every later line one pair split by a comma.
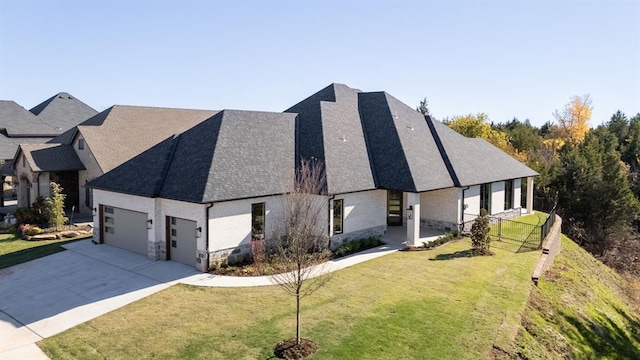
x,y
475,161
234,154
366,141
9,146
18,122
330,130
122,132
50,157
63,111
404,154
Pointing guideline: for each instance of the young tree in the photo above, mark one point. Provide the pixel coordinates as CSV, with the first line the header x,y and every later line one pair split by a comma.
x,y
301,240
573,120
55,203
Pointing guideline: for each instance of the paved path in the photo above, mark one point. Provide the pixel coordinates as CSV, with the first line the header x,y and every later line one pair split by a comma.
x,y
44,297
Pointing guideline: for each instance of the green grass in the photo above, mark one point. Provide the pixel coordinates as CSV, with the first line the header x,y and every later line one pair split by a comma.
x,y
514,232
582,310
440,304
14,250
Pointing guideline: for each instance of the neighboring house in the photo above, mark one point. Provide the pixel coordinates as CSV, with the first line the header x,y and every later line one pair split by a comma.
x,y
202,196
45,121
93,148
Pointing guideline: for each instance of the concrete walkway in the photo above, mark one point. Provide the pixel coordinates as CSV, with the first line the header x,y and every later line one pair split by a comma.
x,y
44,297
213,280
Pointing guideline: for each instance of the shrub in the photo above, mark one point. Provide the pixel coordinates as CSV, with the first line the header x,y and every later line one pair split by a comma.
x,y
356,246
28,230
439,241
480,234
26,216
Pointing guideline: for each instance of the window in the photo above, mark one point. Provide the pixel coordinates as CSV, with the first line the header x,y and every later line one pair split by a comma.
x,y
108,220
338,215
80,144
108,210
174,232
257,221
109,230
173,221
485,197
508,194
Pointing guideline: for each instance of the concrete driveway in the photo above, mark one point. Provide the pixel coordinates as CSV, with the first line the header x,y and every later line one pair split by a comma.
x,y
44,297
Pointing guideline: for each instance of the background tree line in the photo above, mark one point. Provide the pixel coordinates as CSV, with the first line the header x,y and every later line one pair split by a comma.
x,y
593,174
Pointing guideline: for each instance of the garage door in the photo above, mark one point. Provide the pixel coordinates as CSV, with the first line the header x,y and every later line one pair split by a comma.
x,y
182,240
125,229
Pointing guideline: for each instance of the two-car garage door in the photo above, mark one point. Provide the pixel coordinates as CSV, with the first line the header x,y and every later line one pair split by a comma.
x,y
125,229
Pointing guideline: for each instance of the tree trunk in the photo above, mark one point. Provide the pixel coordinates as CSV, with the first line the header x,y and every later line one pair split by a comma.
x,y
298,319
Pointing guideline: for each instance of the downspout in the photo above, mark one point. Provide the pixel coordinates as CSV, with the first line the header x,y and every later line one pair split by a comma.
x,y
38,183
462,207
329,218
206,240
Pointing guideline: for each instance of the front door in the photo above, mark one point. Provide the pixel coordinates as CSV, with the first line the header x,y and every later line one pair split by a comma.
x,y
394,208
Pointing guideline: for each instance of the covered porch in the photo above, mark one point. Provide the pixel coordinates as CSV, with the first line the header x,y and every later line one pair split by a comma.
x,y
397,235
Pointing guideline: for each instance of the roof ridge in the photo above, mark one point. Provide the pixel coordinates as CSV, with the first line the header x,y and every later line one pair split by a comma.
x,y
367,143
443,151
157,107
167,165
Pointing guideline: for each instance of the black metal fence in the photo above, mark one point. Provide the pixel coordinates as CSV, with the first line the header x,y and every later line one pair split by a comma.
x,y
518,236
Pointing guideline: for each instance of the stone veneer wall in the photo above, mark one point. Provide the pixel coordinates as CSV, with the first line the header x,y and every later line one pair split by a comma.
x,y
438,225
341,239
230,256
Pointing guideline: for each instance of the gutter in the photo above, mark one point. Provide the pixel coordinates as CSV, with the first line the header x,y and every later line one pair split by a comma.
x,y
38,185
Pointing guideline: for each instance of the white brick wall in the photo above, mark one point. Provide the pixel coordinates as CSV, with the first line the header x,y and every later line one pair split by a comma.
x,y
517,193
472,200
230,221
441,205
363,210
497,197
92,171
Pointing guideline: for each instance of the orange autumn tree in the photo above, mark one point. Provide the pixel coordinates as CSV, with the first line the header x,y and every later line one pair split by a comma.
x,y
573,120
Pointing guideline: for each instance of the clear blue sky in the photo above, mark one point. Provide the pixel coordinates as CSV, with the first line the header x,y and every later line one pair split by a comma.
x,y
504,58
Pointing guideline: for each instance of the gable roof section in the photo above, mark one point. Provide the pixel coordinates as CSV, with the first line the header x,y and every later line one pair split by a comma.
x,y
404,154
50,157
232,155
9,146
329,129
16,121
122,132
475,161
63,111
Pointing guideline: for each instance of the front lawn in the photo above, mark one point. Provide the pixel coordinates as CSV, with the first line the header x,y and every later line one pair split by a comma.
x,y
14,250
439,304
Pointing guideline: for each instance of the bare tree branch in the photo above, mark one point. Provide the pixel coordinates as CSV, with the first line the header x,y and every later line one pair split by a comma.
x,y
301,241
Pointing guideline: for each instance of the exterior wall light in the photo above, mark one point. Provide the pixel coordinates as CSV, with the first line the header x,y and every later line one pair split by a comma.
x,y
199,231
149,223
94,211
410,212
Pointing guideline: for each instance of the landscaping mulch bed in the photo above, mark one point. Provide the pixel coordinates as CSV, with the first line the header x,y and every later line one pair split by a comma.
x,y
289,349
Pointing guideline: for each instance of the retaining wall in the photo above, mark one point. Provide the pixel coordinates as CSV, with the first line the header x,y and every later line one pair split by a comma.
x,y
550,248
